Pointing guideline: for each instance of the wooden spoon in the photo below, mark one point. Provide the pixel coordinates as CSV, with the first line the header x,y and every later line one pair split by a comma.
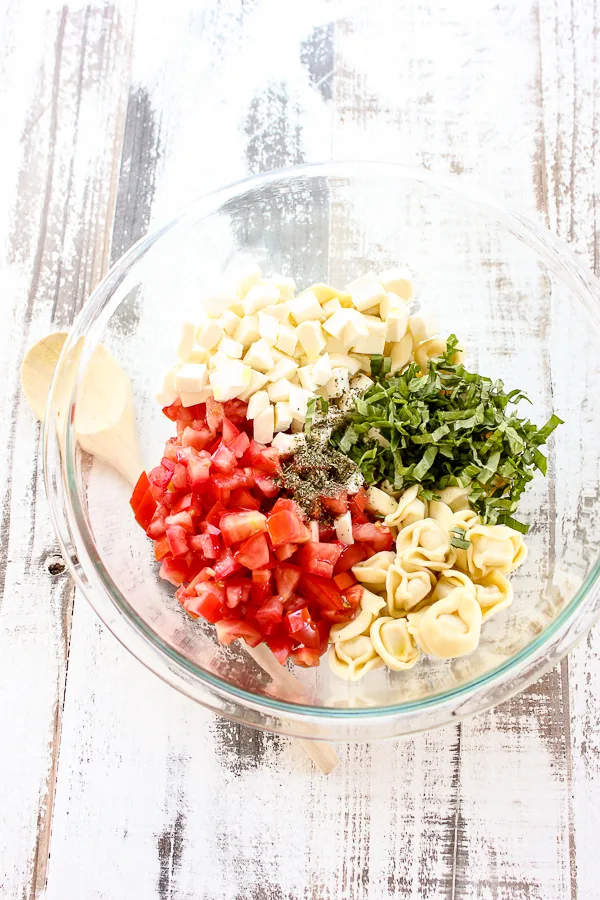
x,y
105,427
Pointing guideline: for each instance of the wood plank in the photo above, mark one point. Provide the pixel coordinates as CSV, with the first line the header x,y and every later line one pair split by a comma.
x,y
60,98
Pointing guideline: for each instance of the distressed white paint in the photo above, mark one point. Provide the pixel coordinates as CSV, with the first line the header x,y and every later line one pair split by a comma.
x,y
153,797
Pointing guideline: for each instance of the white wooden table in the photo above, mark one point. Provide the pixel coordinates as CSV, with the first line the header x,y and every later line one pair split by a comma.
x,y
112,117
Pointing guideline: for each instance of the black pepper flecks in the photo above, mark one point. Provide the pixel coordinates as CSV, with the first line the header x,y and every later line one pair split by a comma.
x,y
315,471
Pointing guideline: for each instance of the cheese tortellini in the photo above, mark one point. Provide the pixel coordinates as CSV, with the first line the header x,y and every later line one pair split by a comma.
x,y
449,580
373,571
394,643
425,545
369,606
410,509
405,589
494,547
494,593
448,628
353,658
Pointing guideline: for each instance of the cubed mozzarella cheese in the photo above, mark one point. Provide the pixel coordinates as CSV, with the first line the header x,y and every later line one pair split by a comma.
x,y
390,302
286,444
230,380
343,528
331,306
333,345
187,340
287,339
245,275
344,361
228,321
209,334
198,354
193,398
257,403
191,378
374,342
356,327
279,312
366,291
287,286
399,281
361,383
280,390
264,426
321,370
257,381
310,335
324,292
339,383
298,402
283,415
229,347
166,392
401,353
336,324
284,368
258,297
259,356
396,324
422,327
305,308
306,378
364,362
247,331
268,328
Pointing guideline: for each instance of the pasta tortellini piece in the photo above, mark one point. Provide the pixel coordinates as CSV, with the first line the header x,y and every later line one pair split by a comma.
x,y
449,580
494,593
373,571
380,502
425,545
410,509
457,498
434,347
448,628
494,547
353,658
368,609
394,643
463,519
406,589
442,513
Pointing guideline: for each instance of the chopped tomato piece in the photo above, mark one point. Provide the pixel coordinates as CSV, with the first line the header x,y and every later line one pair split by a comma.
x,y
374,533
336,505
301,627
214,414
268,461
207,603
143,502
237,591
213,517
235,410
254,552
269,614
237,526
285,527
156,528
305,657
266,484
227,564
229,430
206,544
318,558
240,444
176,537
280,647
242,498
360,499
223,459
285,551
261,585
197,439
291,505
188,502
159,478
353,596
172,411
238,478
325,594
286,579
174,570
344,580
161,549
183,518
179,478
198,472
229,630
350,557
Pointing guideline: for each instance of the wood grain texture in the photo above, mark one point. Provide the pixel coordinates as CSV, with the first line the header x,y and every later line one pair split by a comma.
x,y
124,115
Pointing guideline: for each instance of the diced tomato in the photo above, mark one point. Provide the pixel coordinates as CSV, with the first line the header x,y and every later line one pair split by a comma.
x,y
179,477
159,479
143,502
325,594
295,602
229,630
237,590
223,459
240,444
285,551
207,603
206,544
227,564
214,414
177,539
344,580
235,410
237,526
213,517
254,552
156,528
280,647
305,657
198,472
285,527
353,596
199,439
205,574
174,570
351,556
162,548
188,502
238,478
261,585
172,411
228,430
183,518
326,533
374,533
318,558
336,505
268,461
301,627
286,579
266,484
291,505
170,453
360,499
269,614
242,498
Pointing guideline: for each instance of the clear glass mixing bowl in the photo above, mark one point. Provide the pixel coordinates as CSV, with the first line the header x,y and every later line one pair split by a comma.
x,y
527,312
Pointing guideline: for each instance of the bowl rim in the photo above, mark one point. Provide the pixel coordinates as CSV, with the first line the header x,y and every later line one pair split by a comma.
x,y
75,537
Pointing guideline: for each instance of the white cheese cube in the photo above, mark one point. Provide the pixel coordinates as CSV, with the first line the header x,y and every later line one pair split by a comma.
x,y
287,339
344,361
356,327
268,328
230,380
336,324
361,383
209,334
310,335
198,354
229,347
264,426
166,392
333,345
339,383
286,444
246,274
343,528
280,390
247,331
321,370
305,308
391,301
374,342
193,398
287,286
422,327
298,402
187,340
331,306
306,378
228,321
401,353
257,403
284,368
283,415
258,297
364,362
259,356
399,281
279,312
396,324
191,378
366,291
257,381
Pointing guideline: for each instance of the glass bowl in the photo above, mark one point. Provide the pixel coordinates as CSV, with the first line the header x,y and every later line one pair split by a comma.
x,y
527,312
